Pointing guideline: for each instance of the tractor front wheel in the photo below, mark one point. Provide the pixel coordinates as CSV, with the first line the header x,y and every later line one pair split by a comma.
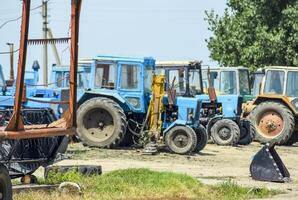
x,y
181,140
293,139
274,122
5,184
225,132
101,123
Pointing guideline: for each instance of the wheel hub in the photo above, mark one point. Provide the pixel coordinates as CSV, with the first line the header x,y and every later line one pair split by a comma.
x,y
100,125
270,124
224,133
181,140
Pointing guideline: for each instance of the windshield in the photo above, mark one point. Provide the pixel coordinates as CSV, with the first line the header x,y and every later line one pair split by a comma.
x,y
228,82
292,83
177,81
244,82
274,82
195,82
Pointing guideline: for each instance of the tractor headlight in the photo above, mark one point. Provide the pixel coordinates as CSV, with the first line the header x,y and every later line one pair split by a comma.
x,y
60,110
134,102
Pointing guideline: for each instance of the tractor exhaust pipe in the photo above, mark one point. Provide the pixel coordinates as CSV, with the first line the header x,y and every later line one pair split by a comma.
x,y
268,166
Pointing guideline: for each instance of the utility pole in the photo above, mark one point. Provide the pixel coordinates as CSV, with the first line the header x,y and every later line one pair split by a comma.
x,y
11,74
45,36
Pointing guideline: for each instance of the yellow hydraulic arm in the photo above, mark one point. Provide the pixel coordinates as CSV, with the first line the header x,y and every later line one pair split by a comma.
x,y
156,107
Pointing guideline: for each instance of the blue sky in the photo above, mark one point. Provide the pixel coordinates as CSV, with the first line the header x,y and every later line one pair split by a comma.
x,y
163,29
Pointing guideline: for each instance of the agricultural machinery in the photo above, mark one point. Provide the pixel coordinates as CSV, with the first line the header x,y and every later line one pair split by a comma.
x,y
31,137
225,124
274,111
114,96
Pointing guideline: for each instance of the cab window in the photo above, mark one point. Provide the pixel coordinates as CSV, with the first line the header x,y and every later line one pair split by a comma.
x,y
292,83
195,82
104,76
228,82
66,77
214,79
244,82
274,82
58,79
130,76
176,80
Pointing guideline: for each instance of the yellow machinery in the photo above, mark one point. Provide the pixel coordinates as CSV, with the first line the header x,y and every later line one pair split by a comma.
x,y
156,108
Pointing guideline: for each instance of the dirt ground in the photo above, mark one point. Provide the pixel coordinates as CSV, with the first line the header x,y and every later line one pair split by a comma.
x,y
213,165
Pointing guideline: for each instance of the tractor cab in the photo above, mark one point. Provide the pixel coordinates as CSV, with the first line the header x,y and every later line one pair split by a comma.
x,y
229,81
280,81
275,110
60,77
127,80
183,76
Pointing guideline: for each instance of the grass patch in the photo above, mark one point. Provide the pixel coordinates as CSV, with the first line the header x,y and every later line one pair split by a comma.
x,y
147,185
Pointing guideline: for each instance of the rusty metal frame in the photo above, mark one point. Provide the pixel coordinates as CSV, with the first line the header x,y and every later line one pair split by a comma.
x,y
67,124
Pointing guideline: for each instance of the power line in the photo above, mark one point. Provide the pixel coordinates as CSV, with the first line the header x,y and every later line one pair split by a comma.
x,y
16,19
1,53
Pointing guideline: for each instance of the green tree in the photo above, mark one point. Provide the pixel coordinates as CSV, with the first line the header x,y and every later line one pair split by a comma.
x,y
255,33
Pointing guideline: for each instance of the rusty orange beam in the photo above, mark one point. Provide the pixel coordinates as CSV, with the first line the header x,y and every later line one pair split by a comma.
x,y
75,15
15,123
34,133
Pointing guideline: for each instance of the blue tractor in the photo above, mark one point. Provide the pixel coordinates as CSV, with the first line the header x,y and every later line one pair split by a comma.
x,y
233,84
224,123
115,95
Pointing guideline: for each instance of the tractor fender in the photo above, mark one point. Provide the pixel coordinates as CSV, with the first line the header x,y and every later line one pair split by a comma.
x,y
114,96
175,123
212,121
278,98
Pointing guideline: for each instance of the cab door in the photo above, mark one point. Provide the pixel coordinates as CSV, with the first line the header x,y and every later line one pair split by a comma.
x,y
131,85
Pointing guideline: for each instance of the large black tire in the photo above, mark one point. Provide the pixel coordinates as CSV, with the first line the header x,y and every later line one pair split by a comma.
x,y
101,123
181,139
202,138
293,139
225,132
5,184
274,122
247,133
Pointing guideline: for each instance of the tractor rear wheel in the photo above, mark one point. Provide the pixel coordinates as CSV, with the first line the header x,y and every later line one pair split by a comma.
x,y
225,132
202,138
5,184
273,121
101,123
181,140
